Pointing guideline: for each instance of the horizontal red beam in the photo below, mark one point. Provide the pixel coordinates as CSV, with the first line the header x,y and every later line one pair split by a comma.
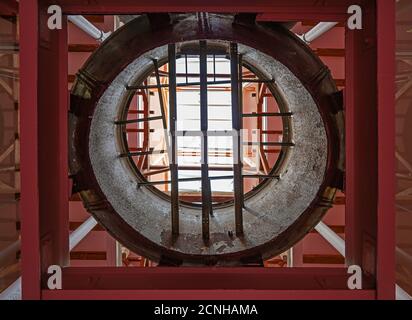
x,y
323,15
9,7
281,10
185,278
208,294
322,52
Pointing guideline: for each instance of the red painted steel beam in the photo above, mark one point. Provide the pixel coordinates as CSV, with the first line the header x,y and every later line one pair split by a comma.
x,y
29,204
208,294
361,143
289,10
172,278
52,118
9,7
322,14
386,158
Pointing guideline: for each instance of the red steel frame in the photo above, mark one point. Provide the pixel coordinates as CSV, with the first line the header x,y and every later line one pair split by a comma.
x,y
369,96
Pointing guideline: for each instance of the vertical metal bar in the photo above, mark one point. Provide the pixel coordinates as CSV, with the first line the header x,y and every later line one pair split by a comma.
x,y
237,146
161,102
186,71
262,155
143,161
62,224
206,192
214,67
172,119
386,237
29,205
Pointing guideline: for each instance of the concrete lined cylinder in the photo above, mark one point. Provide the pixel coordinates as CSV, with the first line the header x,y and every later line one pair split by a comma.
x,y
274,218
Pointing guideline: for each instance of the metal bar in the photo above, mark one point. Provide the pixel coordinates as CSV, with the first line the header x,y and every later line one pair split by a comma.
x,y
237,147
317,31
138,130
211,133
186,70
153,172
197,168
159,93
206,188
260,176
148,183
138,120
29,124
402,294
9,252
386,186
262,156
214,76
188,84
142,153
85,25
214,67
282,144
161,101
331,237
256,80
246,176
135,111
267,114
143,161
174,174
13,292
81,232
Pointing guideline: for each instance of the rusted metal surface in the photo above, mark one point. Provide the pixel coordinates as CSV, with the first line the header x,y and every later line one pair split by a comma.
x,y
275,218
174,176
237,144
206,189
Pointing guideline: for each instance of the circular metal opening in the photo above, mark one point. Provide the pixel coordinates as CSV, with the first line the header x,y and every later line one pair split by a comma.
x,y
276,213
146,141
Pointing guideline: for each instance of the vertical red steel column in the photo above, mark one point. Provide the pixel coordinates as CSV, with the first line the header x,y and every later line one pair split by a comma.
x,y
63,150
386,149
30,229
361,144
52,142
